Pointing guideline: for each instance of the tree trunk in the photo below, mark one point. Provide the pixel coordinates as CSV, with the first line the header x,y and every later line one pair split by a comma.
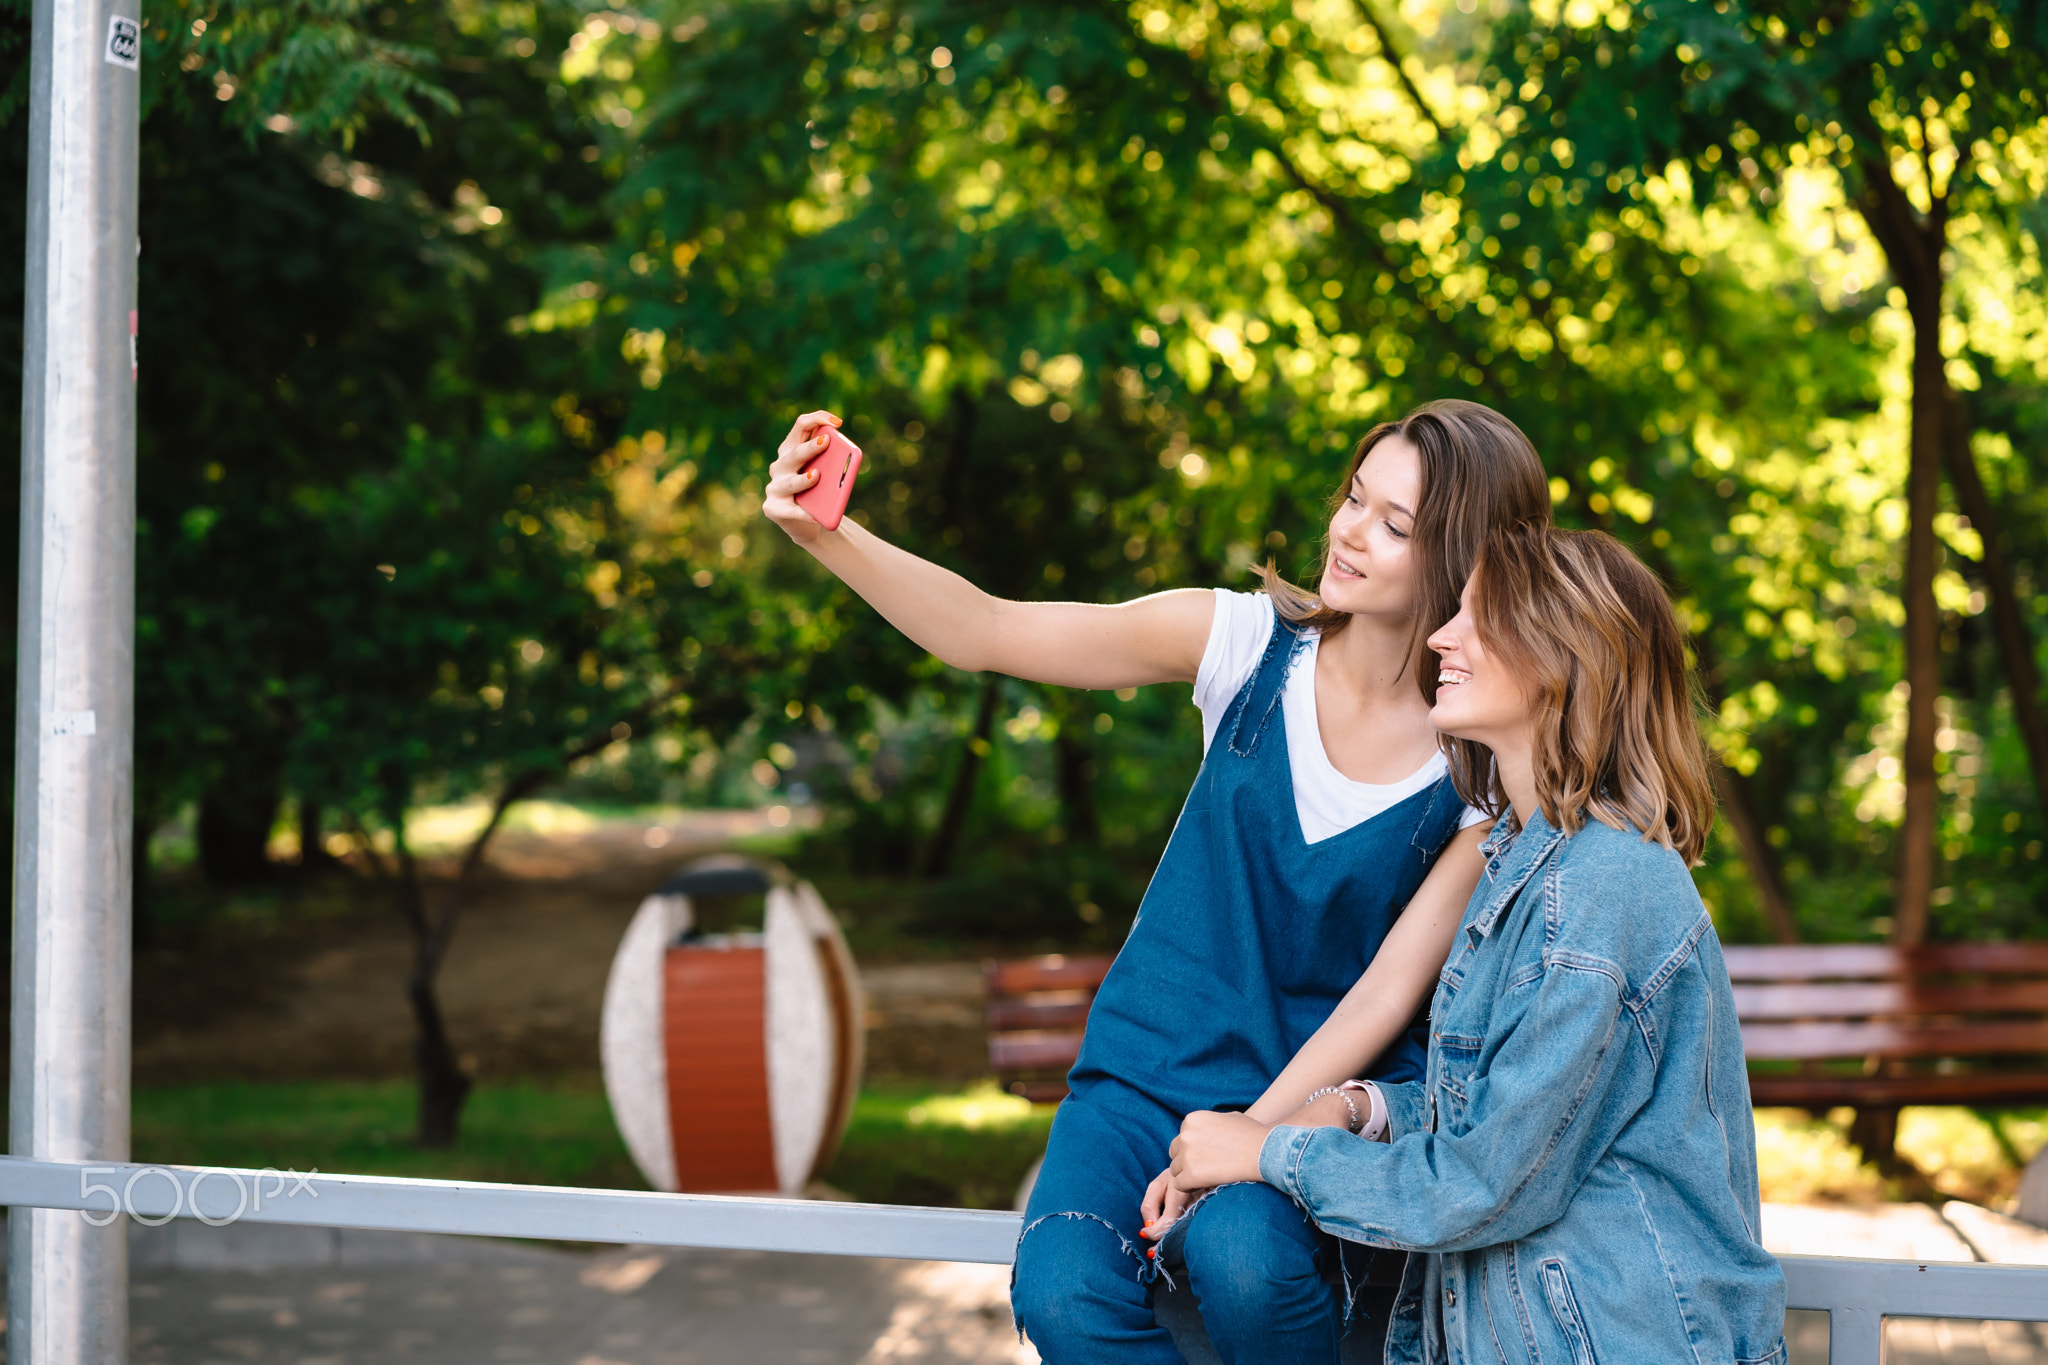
x,y
312,839
1875,1132
938,860
1073,757
444,1084
1733,789
1915,886
1074,765
234,830
2008,615
141,927
1913,243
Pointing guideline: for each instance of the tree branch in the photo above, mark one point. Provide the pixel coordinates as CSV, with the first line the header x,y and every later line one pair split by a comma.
x,y
1901,231
2008,616
1340,211
522,786
1394,59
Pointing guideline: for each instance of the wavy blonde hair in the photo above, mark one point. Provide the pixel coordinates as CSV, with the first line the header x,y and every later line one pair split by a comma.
x,y
1592,634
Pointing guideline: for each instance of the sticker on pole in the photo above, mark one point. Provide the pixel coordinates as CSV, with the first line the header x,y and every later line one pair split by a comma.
x,y
74,723
124,42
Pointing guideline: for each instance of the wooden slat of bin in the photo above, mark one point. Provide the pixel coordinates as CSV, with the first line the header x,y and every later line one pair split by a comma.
x,y
717,1046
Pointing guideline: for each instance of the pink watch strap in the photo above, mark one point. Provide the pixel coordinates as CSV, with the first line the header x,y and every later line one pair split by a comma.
x,y
1375,1129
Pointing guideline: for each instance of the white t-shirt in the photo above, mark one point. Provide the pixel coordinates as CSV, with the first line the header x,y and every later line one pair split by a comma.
x,y
1325,800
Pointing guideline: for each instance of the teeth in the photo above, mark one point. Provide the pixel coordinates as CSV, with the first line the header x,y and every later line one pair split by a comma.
x,y
1452,677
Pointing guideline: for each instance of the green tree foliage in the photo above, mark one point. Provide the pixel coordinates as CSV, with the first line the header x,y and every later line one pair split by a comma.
x,y
468,329
362,574
1224,240
1915,109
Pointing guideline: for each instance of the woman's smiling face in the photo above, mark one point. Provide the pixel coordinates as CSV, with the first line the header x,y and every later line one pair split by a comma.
x,y
1476,697
1370,571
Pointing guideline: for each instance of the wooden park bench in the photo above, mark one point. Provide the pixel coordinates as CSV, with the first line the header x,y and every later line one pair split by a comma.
x,y
1875,1027
1037,1007
1868,1026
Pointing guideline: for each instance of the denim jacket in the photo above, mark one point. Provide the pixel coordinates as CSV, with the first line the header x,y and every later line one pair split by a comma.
x,y
1578,1161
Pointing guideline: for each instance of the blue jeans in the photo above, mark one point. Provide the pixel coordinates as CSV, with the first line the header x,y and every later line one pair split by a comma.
x,y
1264,1276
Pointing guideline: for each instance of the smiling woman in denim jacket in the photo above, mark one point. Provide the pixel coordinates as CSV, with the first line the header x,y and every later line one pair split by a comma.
x,y
1578,1159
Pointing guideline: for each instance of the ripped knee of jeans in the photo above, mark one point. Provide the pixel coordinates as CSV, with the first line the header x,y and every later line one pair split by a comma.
x,y
1245,1245
1052,1252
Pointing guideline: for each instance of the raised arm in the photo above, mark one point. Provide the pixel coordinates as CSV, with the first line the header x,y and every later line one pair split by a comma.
x,y
1403,974
1069,644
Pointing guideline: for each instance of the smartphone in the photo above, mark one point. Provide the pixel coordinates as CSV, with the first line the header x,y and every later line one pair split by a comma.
x,y
838,464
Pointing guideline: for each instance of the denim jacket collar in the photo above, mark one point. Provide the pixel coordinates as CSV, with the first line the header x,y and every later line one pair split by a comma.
x,y
1512,858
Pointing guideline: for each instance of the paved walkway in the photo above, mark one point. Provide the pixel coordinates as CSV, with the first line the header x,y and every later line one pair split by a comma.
x,y
249,1296
254,1295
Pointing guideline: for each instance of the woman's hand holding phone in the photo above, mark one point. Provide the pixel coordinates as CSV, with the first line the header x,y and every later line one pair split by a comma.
x,y
794,472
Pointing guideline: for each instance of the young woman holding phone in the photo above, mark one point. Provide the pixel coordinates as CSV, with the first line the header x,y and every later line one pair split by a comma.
x,y
1319,864
1578,1163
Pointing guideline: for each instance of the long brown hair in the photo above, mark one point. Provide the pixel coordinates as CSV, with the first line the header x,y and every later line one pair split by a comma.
x,y
1592,636
1479,473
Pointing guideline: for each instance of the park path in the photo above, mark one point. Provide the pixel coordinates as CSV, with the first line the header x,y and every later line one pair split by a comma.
x,y
288,1296
320,996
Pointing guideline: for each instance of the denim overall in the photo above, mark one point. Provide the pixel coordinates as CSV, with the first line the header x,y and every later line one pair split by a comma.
x,y
1246,940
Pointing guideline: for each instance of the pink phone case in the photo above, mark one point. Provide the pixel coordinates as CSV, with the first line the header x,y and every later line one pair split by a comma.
x,y
838,464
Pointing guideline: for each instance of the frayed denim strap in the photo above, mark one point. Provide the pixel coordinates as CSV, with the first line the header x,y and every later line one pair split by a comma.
x,y
1258,701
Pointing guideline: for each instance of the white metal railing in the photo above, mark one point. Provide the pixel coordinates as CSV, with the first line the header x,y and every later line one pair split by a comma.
x,y
1857,1295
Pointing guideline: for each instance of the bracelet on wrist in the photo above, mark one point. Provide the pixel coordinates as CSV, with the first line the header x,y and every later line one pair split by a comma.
x,y
1356,1122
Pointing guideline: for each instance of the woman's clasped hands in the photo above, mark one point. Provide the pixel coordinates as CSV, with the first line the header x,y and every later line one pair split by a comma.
x,y
1212,1149
1220,1148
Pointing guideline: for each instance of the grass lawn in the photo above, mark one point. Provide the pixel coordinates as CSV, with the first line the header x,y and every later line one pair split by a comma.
x,y
911,1144
907,1144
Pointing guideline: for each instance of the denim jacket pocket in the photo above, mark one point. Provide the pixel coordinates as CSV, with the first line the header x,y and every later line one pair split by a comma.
x,y
1564,1307
1457,1058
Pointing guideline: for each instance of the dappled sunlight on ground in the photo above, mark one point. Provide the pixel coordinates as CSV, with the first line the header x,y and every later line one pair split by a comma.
x,y
1800,1159
1965,1154
1972,1156
979,1106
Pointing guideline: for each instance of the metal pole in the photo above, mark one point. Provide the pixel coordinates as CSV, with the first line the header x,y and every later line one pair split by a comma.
x,y
67,1289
